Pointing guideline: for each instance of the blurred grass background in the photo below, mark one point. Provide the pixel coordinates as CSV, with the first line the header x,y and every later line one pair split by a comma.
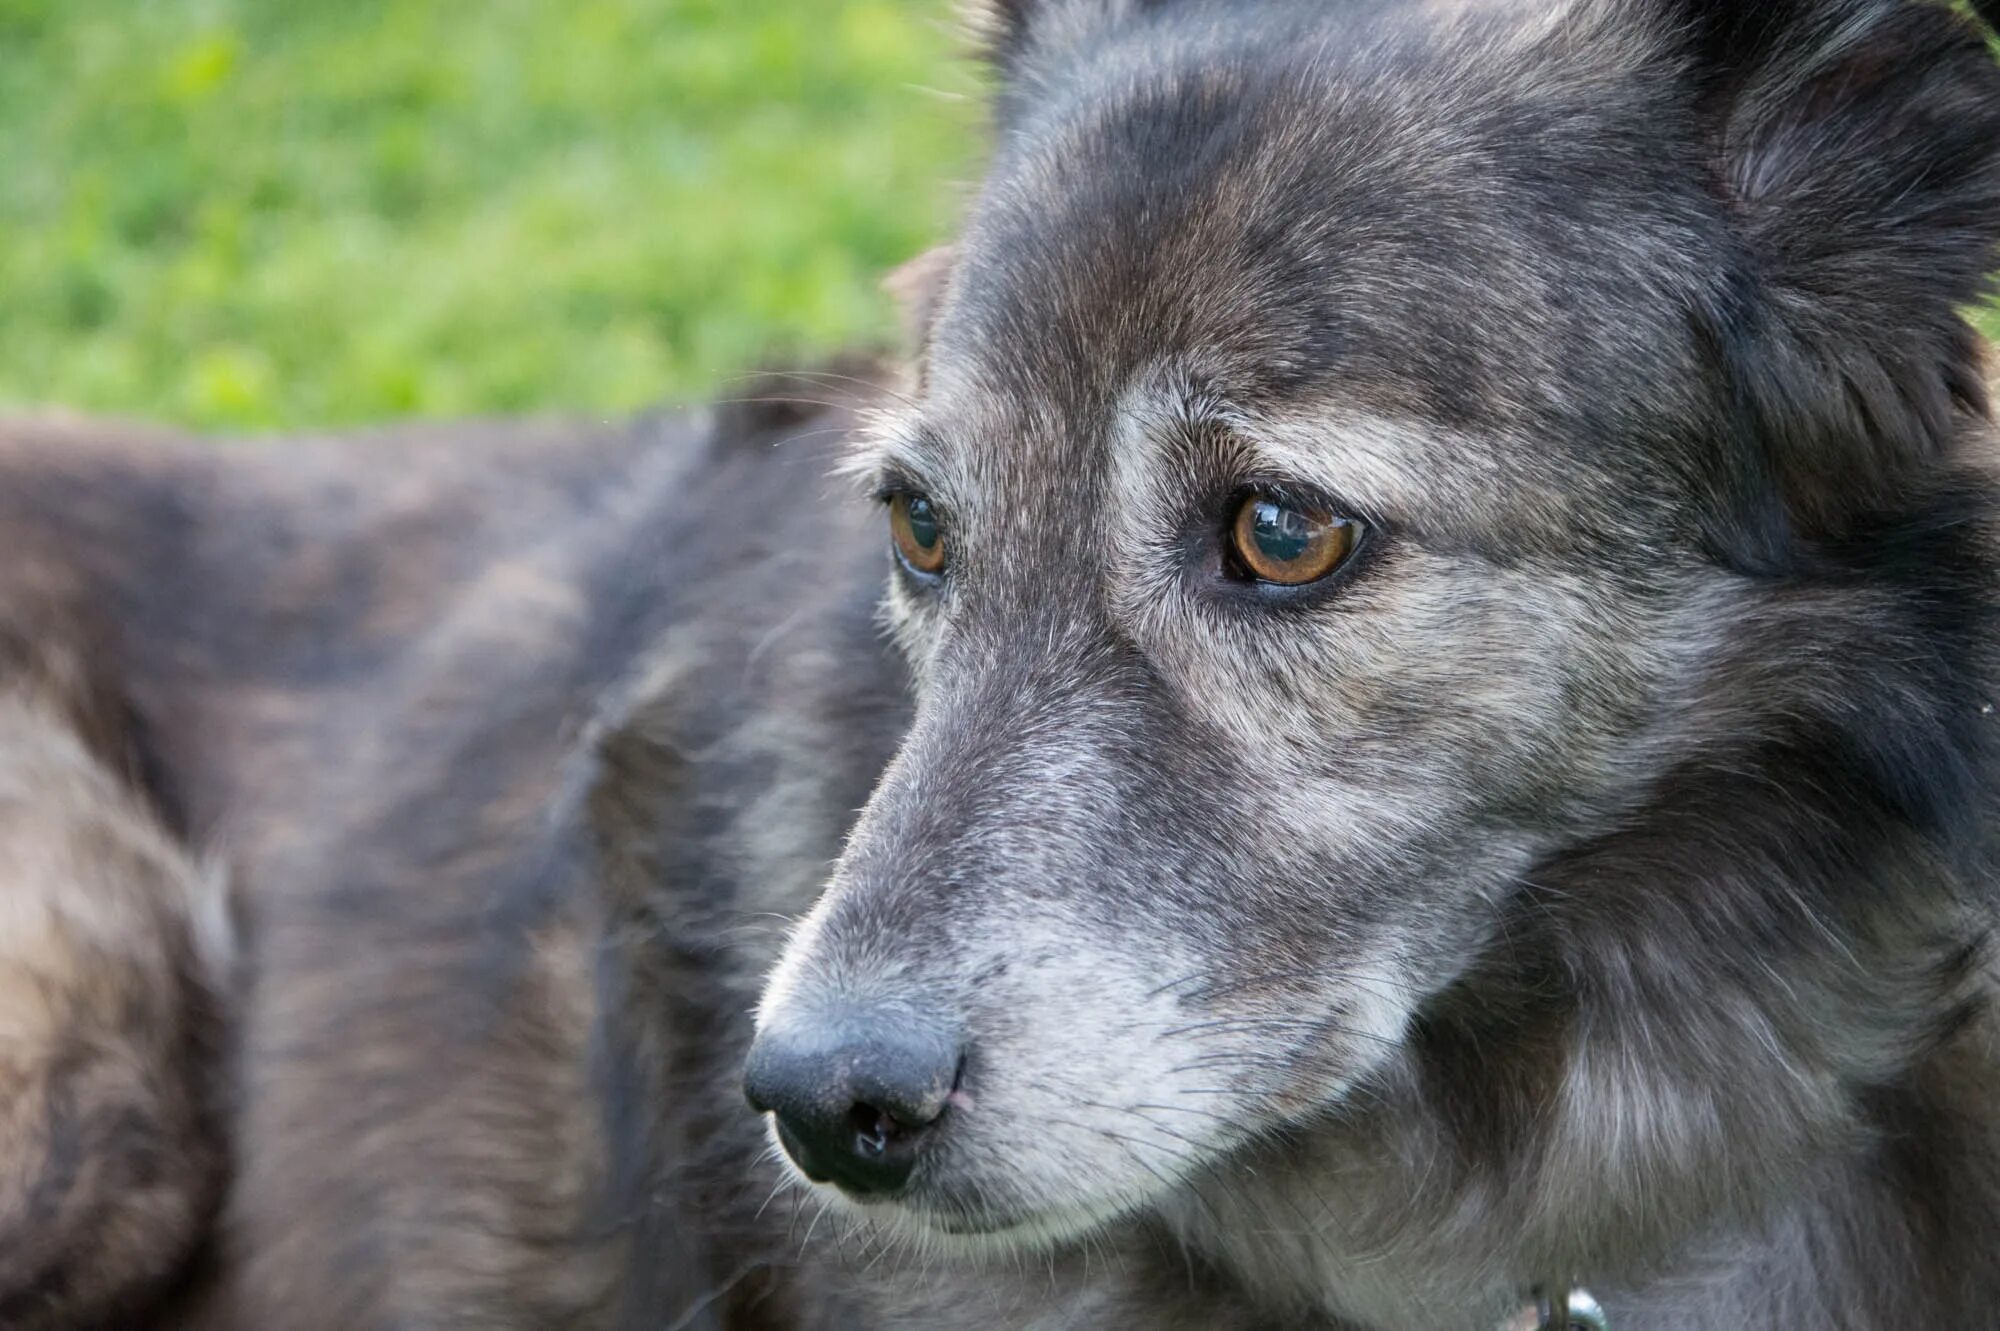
x,y
252,214
259,214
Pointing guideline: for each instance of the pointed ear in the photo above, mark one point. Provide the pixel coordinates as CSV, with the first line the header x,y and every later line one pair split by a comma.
x,y
1001,28
1013,34
918,288
1856,144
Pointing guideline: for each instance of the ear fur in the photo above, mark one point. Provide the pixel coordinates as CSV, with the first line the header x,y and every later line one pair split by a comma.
x,y
1011,34
918,288
1856,144
1001,28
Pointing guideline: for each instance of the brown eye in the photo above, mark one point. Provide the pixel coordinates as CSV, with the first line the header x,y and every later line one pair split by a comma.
x,y
914,524
1291,546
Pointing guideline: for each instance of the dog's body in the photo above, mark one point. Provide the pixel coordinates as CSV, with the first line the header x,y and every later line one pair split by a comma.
x,y
1587,877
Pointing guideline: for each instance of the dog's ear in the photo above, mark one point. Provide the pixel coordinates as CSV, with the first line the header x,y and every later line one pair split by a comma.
x,y
1012,33
918,288
1001,28
1856,144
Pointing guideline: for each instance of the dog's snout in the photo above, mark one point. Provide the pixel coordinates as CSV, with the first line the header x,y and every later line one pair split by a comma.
x,y
855,1097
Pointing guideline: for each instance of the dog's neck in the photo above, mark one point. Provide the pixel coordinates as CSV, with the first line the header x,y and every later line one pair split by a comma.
x,y
1451,1183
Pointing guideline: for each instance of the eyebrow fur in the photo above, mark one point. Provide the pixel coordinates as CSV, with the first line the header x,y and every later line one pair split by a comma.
x,y
891,449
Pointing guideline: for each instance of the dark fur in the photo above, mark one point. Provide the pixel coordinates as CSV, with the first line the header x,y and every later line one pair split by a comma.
x,y
1669,693
110,1125
1595,881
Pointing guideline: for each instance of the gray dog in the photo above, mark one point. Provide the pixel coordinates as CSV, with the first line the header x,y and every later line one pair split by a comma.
x,y
1434,749
1446,557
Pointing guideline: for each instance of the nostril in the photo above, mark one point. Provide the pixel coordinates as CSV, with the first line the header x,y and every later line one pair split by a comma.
x,y
873,1129
877,1130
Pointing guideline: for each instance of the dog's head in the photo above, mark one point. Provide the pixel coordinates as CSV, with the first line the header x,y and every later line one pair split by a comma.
x,y
1353,442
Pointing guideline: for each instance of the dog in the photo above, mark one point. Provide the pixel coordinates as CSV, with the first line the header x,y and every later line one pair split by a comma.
x,y
1446,554
1421,737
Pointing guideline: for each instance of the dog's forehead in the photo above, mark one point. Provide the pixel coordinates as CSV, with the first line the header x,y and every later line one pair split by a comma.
x,y
1429,230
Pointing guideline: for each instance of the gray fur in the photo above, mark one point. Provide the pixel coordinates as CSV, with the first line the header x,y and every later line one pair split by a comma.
x,y
1594,882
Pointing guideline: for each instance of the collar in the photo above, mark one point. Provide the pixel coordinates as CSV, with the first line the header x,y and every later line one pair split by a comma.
x,y
1573,1310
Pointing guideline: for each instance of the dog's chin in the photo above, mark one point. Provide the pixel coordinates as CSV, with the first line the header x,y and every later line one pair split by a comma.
x,y
933,1220
950,1230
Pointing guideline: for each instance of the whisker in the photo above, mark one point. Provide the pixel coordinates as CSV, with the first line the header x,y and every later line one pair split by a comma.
x,y
872,387
1213,1062
818,1216
1157,1127
779,400
769,1197
1253,1025
1190,1109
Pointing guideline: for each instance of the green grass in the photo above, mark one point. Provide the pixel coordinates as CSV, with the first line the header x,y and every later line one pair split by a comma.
x,y
279,213
259,214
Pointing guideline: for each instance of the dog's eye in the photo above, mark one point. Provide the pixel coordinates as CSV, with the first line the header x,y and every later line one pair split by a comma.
x,y
914,523
1284,544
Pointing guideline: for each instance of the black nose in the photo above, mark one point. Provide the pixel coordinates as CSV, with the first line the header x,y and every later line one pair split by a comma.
x,y
856,1096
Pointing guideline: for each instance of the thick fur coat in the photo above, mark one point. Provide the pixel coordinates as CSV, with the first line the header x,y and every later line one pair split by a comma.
x,y
1590,880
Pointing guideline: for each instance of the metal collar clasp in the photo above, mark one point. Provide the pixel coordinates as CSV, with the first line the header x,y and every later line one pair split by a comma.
x,y
1571,1311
